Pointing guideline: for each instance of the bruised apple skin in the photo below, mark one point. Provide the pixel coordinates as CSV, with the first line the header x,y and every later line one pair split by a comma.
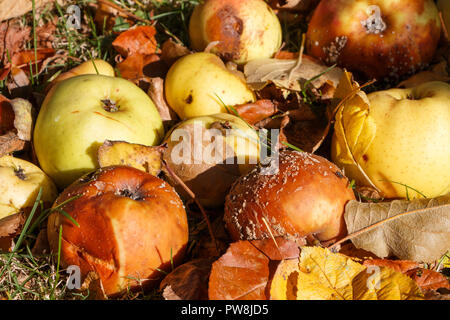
x,y
409,150
209,153
80,113
132,226
245,30
20,182
306,196
199,84
375,38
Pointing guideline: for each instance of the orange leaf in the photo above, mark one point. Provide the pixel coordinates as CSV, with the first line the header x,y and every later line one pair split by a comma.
x,y
256,111
140,40
23,58
426,279
242,273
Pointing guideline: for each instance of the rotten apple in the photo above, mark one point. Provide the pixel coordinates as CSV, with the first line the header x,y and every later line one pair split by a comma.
x,y
131,227
209,153
305,196
376,38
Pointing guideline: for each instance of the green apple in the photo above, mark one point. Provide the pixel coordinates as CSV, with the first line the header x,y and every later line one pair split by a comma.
x,y
20,184
199,84
95,66
80,113
400,144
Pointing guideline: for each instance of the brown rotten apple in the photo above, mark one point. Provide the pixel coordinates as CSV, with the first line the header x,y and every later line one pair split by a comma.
x,y
306,196
132,225
377,38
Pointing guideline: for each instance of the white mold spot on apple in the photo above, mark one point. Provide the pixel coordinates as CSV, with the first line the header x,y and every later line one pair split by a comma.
x,y
374,24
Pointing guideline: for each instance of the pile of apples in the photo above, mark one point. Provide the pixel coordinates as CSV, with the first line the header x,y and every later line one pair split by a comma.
x,y
130,224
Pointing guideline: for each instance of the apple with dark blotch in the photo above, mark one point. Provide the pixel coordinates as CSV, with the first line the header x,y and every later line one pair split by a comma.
x,y
375,38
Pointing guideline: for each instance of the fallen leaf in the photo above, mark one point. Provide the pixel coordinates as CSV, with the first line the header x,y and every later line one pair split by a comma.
x,y
9,143
288,74
294,5
416,230
156,93
12,224
256,111
145,158
188,281
243,272
17,8
172,51
6,115
140,39
323,275
138,67
13,38
23,119
426,279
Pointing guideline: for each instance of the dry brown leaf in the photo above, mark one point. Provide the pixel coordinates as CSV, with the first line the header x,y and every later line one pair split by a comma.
x,y
188,281
242,273
256,111
13,38
156,93
9,143
12,224
172,51
285,73
16,8
294,5
426,279
416,230
145,158
140,39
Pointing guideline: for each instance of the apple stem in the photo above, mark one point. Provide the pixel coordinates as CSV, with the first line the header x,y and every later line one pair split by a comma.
x,y
110,105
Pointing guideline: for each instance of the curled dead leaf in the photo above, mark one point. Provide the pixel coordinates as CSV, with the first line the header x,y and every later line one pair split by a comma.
x,y
156,93
188,281
172,51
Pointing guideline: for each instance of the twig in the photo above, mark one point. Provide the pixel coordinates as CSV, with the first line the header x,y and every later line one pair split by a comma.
x,y
192,195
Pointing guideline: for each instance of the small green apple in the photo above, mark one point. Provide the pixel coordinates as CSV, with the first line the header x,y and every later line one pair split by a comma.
x,y
80,113
20,184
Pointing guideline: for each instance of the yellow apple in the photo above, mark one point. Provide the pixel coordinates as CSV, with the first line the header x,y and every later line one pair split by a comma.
x,y
95,66
401,144
20,184
245,30
80,113
199,84
209,153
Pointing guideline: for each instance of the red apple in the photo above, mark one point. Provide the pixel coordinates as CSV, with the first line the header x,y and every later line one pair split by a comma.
x,y
377,38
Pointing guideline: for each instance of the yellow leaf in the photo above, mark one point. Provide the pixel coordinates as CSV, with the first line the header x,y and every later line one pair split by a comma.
x,y
138,156
323,275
